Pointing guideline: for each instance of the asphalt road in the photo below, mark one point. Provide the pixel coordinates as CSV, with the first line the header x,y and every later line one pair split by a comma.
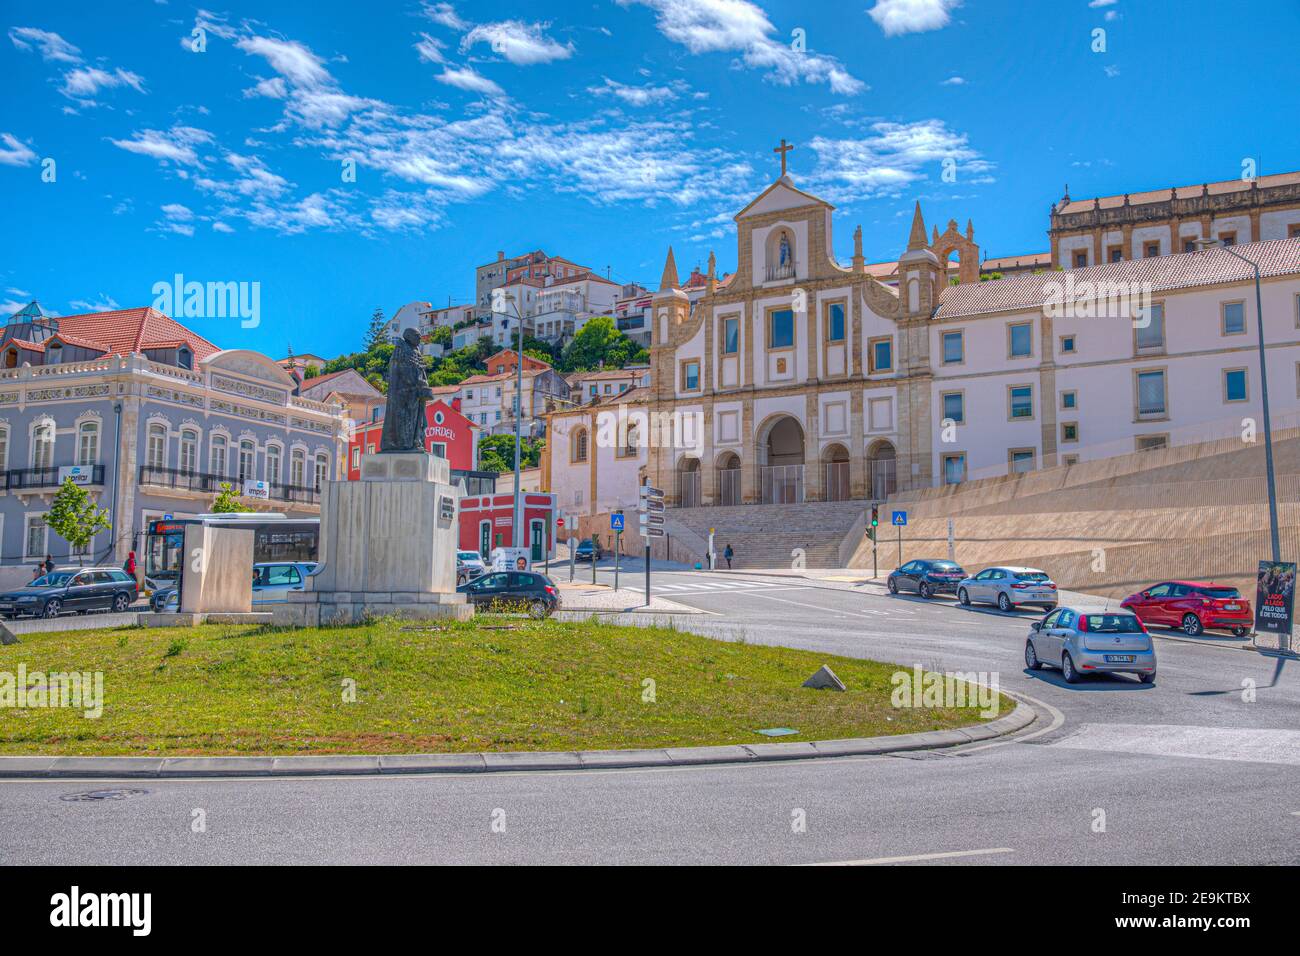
x,y
1182,772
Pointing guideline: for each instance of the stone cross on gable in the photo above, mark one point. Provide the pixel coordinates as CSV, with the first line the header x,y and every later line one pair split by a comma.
x,y
783,149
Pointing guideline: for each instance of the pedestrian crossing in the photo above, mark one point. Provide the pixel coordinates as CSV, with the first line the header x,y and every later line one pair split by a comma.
x,y
705,587
1208,743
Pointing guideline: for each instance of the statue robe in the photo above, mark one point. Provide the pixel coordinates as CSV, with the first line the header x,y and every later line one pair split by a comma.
x,y
404,420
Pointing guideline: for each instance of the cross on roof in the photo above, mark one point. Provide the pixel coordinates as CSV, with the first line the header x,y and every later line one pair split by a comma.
x,y
783,149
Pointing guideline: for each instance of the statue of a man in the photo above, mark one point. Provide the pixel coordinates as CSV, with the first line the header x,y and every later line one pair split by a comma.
x,y
408,390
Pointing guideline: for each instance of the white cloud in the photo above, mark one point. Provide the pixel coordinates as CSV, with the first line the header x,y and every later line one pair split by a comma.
x,y
252,179
430,49
85,82
174,210
220,226
469,79
175,145
895,17
444,15
1111,71
637,95
1102,3
103,303
954,81
716,26
523,44
890,158
291,60
273,88
52,47
14,152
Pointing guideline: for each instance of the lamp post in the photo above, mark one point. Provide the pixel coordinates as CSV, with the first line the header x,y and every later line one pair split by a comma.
x,y
517,522
1263,386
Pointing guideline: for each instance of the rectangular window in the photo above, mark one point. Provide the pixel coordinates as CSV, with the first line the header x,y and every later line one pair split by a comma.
x,y
1234,318
1149,332
34,545
954,347
1080,260
1020,400
1069,460
954,469
690,375
1234,385
954,406
880,354
1151,394
780,329
835,322
356,458
1152,442
1067,344
1189,245
1293,231
1069,399
881,412
1228,238
730,335
1151,250
1069,432
1116,254
1020,460
1020,340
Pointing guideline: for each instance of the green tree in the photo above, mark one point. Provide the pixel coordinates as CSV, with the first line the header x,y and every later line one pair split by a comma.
x,y
497,452
442,335
227,500
310,372
74,517
375,333
599,341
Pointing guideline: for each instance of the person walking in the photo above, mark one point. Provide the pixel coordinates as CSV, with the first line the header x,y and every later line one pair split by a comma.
x,y
49,563
728,553
129,564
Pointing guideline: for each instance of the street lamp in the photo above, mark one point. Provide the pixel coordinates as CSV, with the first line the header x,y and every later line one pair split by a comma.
x,y
1263,385
516,526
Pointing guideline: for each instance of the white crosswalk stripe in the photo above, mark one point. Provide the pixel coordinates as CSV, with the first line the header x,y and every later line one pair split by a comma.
x,y
1208,743
711,586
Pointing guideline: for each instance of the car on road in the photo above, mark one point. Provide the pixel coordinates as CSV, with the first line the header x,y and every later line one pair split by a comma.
x,y
71,590
511,590
469,565
273,580
588,550
1009,587
1193,607
927,577
1091,642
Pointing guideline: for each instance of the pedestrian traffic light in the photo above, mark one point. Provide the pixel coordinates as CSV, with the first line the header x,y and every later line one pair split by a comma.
x,y
875,516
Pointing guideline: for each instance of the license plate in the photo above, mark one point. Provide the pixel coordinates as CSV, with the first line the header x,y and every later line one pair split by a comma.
x,y
1119,658
1232,607
1042,596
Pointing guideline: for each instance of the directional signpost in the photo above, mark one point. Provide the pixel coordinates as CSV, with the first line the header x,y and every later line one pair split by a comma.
x,y
900,522
650,513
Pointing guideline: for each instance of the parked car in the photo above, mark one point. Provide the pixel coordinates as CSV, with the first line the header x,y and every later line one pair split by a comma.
x,y
1009,587
163,599
469,565
273,580
1089,642
75,590
588,550
1193,607
926,577
503,590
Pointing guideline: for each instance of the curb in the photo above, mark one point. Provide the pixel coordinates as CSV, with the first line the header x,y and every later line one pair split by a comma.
x,y
329,765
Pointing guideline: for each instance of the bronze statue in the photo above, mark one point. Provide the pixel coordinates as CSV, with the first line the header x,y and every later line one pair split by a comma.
x,y
408,390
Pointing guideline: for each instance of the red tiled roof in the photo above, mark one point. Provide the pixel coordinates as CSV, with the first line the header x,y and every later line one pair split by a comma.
x,y
1276,257
29,346
310,384
1034,259
1184,192
125,331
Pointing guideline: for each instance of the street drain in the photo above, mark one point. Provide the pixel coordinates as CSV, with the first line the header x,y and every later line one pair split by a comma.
x,y
93,796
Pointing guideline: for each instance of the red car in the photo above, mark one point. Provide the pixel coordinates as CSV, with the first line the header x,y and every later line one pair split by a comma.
x,y
1192,607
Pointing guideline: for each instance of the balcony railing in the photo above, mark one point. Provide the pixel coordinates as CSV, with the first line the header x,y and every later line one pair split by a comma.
x,y
777,271
16,479
207,483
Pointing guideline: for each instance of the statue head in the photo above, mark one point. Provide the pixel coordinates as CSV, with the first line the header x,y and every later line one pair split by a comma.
x,y
412,338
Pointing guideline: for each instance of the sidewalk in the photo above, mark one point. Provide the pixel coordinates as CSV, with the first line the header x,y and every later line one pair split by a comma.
x,y
587,598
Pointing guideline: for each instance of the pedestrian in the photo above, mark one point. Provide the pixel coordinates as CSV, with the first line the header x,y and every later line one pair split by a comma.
x,y
39,572
49,563
129,564
728,554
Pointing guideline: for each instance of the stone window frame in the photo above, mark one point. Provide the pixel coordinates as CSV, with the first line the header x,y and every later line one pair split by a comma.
x,y
1139,351
943,408
1147,245
1074,343
1223,378
1069,441
580,446
682,366
5,445
27,533
843,303
770,311
722,333
1033,404
1139,439
1011,459
872,342
278,446
961,336
39,421
219,431
82,424
1138,415
1027,323
943,466
1074,258
1068,460
1069,408
1223,316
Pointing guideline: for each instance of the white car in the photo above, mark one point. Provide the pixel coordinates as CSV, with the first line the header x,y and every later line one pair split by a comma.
x,y
469,565
1009,587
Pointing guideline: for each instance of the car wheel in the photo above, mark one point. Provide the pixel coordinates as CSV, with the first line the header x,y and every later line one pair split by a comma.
x,y
538,610
963,597
893,586
926,591
120,603
1031,657
51,608
1004,603
1067,669
1240,631
1192,625
1147,678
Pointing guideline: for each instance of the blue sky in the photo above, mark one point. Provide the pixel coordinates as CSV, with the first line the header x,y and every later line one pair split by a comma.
x,y
600,130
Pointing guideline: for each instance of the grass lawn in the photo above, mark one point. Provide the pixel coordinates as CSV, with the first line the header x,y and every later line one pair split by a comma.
x,y
518,685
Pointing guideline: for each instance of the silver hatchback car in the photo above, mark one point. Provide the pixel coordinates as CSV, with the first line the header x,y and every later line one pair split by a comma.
x,y
1089,642
1008,587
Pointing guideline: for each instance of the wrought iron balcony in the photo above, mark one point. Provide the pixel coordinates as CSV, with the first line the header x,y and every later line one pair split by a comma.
x,y
18,479
208,483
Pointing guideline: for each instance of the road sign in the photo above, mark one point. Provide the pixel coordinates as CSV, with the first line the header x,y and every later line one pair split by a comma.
x,y
652,532
900,519
648,491
615,521
559,522
644,520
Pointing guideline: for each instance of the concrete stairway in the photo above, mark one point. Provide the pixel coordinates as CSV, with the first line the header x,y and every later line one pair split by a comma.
x,y
770,536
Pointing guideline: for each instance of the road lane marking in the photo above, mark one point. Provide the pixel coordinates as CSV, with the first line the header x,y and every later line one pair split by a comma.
x,y
1252,745
916,858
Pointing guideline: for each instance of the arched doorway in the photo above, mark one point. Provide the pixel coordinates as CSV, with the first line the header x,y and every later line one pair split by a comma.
x,y
835,473
781,469
728,471
882,470
688,483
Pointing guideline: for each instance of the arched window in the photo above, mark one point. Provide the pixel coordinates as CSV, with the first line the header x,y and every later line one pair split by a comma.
x,y
580,445
630,441
156,446
183,358
322,470
217,458
298,468
273,461
43,445
247,460
88,443
189,451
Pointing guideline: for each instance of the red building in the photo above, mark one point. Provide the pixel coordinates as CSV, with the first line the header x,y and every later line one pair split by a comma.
x,y
507,359
448,434
486,522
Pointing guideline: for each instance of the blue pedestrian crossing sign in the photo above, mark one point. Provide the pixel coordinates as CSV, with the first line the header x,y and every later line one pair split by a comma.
x,y
615,522
900,519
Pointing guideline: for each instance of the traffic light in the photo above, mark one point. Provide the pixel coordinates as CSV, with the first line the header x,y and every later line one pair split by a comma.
x,y
875,516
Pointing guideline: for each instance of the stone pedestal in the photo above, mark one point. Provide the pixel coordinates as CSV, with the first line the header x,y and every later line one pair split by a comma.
x,y
387,545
